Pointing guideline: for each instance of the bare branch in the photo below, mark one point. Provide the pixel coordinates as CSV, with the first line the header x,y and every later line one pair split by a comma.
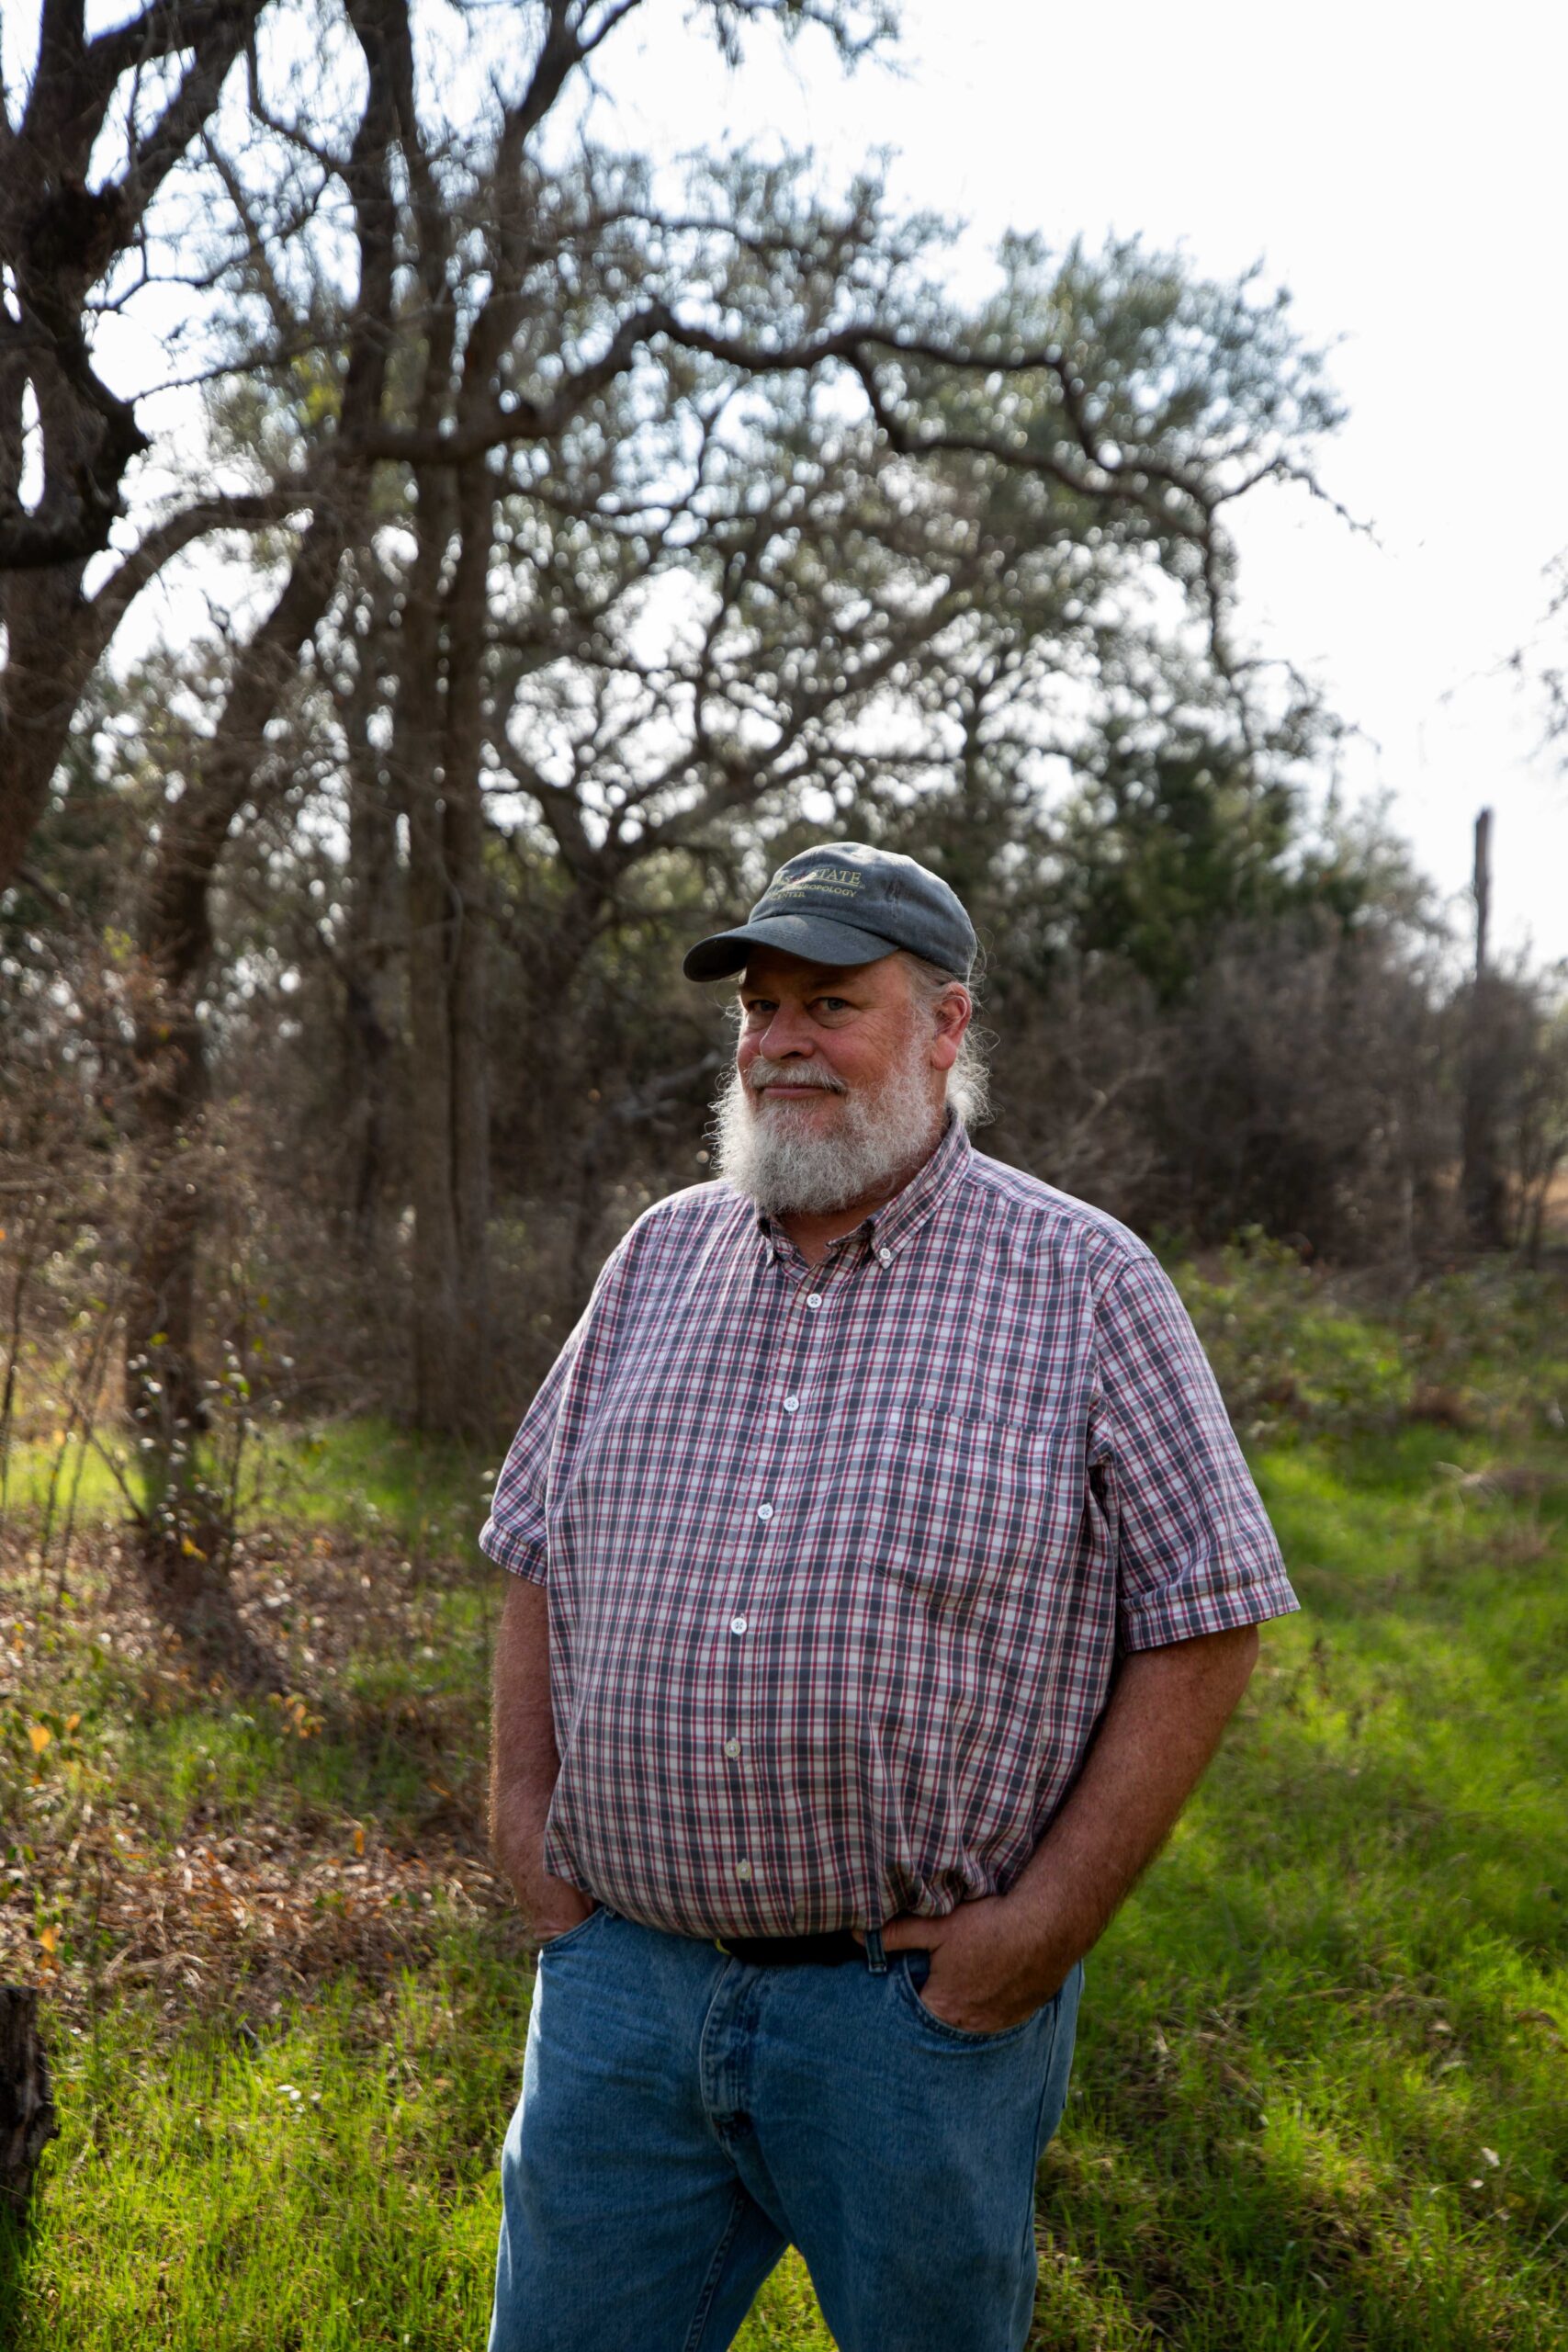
x,y
220,42
244,511
161,30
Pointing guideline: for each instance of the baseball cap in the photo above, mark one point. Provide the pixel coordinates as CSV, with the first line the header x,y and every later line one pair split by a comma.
x,y
845,903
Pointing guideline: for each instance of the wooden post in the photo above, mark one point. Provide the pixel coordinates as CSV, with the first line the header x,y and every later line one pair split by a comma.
x,y
1481,886
27,2110
1482,1189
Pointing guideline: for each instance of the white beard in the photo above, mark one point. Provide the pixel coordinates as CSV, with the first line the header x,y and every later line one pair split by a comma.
x,y
765,1151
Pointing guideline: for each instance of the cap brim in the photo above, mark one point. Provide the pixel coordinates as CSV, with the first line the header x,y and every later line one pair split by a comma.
x,y
816,937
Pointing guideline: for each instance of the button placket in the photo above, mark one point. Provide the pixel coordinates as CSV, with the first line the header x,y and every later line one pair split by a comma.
x,y
756,1569
835,1272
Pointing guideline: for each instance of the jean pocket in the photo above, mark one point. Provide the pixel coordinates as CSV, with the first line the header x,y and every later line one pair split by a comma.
x,y
910,1975
573,1935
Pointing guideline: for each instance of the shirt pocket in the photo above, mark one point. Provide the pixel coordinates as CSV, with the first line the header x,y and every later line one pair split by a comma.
x,y
974,1508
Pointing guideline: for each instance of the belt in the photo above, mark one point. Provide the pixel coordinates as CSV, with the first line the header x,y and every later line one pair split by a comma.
x,y
829,1950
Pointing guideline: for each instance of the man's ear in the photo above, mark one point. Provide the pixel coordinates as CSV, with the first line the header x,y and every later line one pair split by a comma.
x,y
952,1013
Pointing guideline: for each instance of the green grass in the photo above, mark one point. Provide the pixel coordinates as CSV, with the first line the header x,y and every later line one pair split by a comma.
x,y
317,2187
1320,2101
1320,2092
363,1478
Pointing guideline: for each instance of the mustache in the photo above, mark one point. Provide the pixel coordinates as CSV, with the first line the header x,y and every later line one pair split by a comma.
x,y
764,1072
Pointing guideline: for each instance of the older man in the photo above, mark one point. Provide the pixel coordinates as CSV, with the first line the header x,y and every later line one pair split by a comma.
x,y
884,1572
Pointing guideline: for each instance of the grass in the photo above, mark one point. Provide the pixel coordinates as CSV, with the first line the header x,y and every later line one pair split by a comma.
x,y
363,1477
1320,2095
1319,2099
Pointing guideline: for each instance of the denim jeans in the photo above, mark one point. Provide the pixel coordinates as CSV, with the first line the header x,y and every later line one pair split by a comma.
x,y
685,2117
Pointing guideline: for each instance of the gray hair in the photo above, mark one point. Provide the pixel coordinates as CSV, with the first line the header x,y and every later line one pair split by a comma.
x,y
969,1080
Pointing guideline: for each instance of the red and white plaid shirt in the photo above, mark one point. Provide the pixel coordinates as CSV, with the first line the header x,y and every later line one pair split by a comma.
x,y
840,1560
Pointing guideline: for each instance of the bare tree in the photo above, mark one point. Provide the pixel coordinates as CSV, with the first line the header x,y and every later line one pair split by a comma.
x,y
152,82
230,771
537,399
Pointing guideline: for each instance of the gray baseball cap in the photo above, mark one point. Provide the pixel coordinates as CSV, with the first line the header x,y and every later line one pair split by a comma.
x,y
846,904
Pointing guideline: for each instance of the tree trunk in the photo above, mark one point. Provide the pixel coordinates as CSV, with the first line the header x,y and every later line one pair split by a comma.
x,y
370,931
27,2108
175,926
35,711
59,239
438,1354
186,1534
437,1322
439,756
449,1145
175,942
84,443
465,834
162,1388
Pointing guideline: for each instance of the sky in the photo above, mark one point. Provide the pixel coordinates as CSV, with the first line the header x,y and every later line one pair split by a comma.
x,y
1399,169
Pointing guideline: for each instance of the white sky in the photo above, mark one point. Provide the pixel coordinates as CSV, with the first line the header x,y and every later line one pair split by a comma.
x,y
1400,169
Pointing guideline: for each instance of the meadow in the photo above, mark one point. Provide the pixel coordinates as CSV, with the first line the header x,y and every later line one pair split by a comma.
x,y
1321,2101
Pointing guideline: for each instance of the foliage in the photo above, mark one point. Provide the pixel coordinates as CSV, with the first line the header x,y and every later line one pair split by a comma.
x,y
1284,1354
1481,1349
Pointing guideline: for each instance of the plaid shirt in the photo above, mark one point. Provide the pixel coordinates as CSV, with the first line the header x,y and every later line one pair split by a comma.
x,y
840,1560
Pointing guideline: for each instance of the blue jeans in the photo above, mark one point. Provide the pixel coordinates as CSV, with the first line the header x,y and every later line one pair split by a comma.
x,y
685,2117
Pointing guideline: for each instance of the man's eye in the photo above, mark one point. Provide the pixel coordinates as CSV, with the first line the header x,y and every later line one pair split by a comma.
x,y
833,1003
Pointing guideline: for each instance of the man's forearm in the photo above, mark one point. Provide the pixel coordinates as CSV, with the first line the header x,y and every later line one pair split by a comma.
x,y
524,1763
1166,1712
995,1960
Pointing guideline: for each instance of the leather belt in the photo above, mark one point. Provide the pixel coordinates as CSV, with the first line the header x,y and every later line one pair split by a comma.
x,y
829,1950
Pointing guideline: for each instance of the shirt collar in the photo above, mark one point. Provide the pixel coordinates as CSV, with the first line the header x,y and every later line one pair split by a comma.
x,y
885,1232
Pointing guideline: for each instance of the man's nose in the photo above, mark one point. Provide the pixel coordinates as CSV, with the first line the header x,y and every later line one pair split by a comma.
x,y
788,1032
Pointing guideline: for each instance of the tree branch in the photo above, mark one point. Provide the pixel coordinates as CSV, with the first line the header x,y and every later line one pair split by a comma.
x,y
226,33
246,511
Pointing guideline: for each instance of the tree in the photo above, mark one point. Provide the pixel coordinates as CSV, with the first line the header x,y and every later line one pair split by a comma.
x,y
623,526
278,179
209,183
63,246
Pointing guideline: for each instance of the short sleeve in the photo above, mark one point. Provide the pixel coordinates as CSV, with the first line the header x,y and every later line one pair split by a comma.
x,y
513,1534
1195,1551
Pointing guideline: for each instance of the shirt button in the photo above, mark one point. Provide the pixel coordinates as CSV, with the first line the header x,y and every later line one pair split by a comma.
x,y
764,1511
732,1748
885,1256
743,1870
814,1298
791,1404
737,1624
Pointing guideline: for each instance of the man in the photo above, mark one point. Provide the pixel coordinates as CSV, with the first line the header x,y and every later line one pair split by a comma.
x,y
886,1571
